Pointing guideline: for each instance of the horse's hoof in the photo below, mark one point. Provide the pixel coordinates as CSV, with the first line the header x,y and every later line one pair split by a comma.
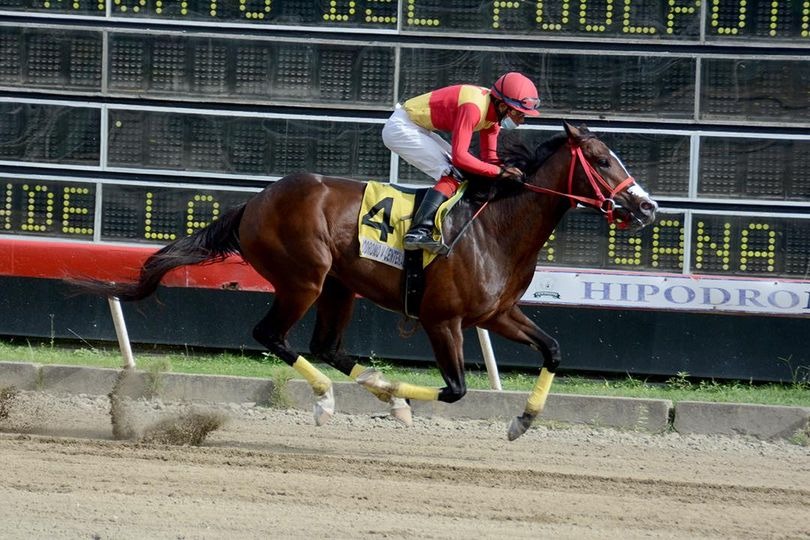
x,y
519,426
325,407
373,379
401,411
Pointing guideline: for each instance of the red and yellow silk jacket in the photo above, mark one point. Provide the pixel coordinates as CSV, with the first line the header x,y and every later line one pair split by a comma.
x,y
461,110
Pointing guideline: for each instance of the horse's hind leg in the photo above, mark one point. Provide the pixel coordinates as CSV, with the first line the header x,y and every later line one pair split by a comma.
x,y
272,330
447,341
334,311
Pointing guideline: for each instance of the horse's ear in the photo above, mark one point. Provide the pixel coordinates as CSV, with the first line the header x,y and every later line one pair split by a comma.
x,y
572,131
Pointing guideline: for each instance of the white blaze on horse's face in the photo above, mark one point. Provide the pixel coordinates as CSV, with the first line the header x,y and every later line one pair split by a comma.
x,y
635,189
646,205
619,161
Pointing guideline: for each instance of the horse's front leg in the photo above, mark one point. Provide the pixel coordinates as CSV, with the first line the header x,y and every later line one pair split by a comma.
x,y
516,326
447,341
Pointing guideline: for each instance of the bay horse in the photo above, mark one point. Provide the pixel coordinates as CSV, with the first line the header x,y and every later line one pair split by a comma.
x,y
301,234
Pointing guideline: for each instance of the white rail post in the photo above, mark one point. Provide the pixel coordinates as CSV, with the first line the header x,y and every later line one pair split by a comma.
x,y
489,358
121,332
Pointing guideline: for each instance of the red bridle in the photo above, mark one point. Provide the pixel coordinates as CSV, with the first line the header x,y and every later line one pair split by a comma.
x,y
605,204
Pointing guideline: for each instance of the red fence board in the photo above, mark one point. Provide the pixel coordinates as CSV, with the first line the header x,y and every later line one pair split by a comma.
x,y
60,260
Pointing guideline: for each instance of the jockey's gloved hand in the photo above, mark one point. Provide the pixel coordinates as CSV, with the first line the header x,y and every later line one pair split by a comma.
x,y
512,173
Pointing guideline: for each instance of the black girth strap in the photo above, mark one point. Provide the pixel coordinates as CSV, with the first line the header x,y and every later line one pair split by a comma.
x,y
413,274
413,283
413,280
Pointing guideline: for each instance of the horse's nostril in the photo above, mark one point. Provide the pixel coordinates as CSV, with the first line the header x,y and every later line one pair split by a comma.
x,y
648,207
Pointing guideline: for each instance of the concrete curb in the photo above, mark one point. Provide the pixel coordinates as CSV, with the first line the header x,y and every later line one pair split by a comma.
x,y
648,415
622,413
22,376
761,421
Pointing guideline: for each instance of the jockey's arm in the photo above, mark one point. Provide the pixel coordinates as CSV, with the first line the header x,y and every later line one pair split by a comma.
x,y
489,144
468,117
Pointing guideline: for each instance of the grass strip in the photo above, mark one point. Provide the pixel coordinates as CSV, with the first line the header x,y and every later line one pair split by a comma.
x,y
681,387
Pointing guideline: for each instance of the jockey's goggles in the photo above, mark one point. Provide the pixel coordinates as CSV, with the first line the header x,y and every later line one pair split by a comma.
x,y
526,104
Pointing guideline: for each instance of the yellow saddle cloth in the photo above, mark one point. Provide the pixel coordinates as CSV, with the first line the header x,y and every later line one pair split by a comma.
x,y
385,216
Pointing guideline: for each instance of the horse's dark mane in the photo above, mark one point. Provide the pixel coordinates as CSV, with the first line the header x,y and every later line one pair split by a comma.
x,y
516,153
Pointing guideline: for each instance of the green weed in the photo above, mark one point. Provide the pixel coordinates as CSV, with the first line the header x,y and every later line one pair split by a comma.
x,y
247,364
280,397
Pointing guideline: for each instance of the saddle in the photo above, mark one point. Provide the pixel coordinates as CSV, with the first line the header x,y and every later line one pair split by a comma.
x,y
385,216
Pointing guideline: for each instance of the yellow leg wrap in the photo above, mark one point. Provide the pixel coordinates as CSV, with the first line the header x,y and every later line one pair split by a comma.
x,y
379,394
411,391
537,399
319,382
357,370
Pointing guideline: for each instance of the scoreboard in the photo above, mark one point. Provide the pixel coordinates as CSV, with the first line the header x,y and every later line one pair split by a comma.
x,y
139,121
688,20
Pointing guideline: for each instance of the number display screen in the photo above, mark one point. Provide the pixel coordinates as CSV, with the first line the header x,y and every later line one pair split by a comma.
x,y
161,214
49,133
67,209
648,20
254,146
47,208
755,89
579,84
759,169
752,245
244,69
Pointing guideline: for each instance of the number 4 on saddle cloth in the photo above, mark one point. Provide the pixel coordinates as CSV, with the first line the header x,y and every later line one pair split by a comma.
x,y
385,217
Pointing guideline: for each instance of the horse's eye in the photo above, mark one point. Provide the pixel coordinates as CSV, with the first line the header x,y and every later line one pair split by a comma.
x,y
603,162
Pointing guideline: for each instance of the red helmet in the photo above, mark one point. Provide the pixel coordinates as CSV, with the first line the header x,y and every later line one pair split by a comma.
x,y
518,92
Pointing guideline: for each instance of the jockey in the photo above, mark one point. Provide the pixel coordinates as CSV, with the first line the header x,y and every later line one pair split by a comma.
x,y
459,110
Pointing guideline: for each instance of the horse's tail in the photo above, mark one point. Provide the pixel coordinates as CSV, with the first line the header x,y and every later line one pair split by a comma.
x,y
207,245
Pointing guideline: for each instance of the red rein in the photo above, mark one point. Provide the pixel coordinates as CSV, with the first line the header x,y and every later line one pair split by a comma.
x,y
599,185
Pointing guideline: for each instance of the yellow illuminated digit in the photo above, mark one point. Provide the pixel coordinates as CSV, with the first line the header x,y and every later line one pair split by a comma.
x,y
5,210
414,20
33,193
805,18
773,21
548,247
705,243
628,27
148,231
72,4
68,211
497,6
661,250
675,10
260,13
123,7
601,27
768,254
333,14
552,26
742,6
194,221
372,17
613,249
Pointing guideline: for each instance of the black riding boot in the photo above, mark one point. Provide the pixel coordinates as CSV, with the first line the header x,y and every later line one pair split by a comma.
x,y
420,235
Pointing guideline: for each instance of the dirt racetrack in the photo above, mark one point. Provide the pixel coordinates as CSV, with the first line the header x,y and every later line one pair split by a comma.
x,y
272,474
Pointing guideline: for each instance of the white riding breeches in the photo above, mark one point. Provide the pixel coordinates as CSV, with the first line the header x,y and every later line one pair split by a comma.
x,y
420,147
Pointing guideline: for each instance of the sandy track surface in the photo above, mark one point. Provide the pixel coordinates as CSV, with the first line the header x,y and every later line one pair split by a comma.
x,y
272,474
